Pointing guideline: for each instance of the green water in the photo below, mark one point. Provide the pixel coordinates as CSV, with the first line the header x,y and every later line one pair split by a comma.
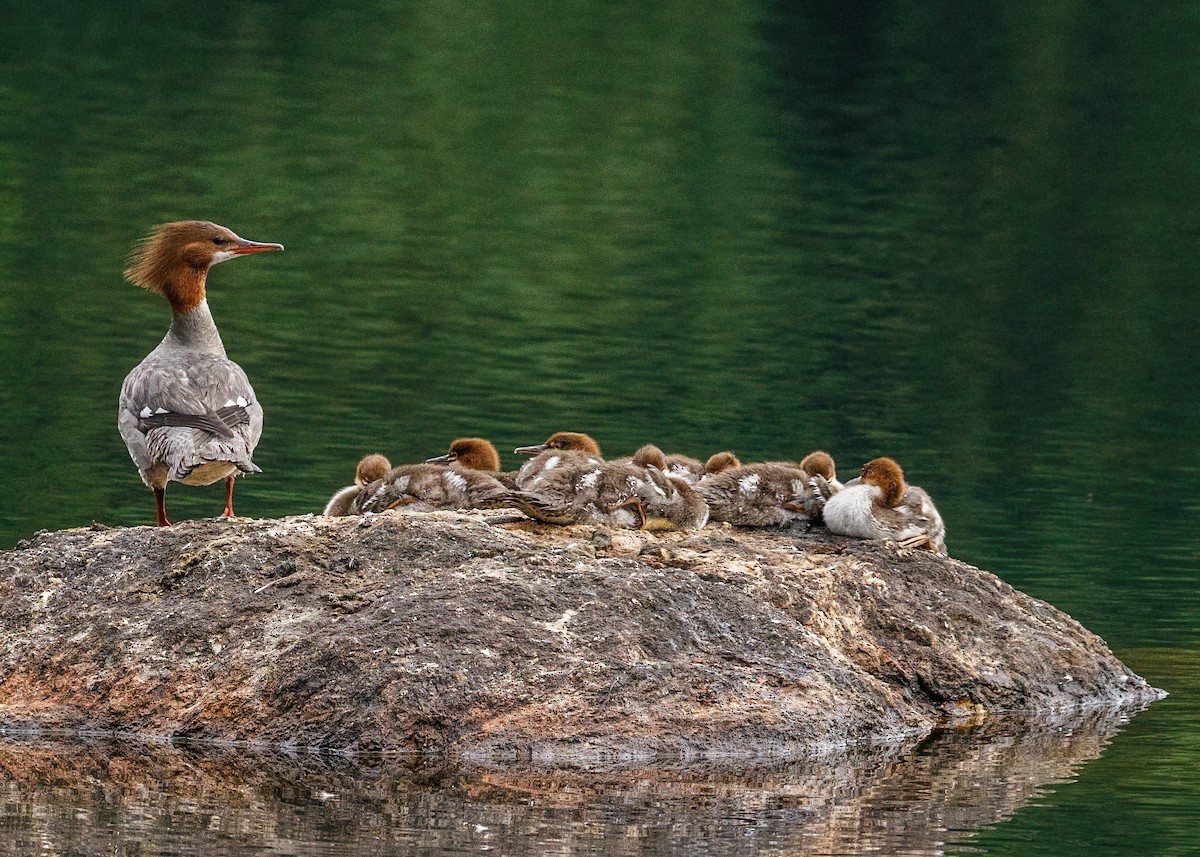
x,y
963,235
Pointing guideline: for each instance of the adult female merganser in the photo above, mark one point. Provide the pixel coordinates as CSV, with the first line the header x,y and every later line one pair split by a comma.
x,y
370,468
769,494
563,447
879,505
187,412
622,494
476,453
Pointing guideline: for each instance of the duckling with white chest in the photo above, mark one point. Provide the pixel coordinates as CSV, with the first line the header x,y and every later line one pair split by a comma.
x,y
880,505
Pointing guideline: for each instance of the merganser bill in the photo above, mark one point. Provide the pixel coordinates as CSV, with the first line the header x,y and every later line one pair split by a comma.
x,y
187,412
369,468
561,448
880,505
767,494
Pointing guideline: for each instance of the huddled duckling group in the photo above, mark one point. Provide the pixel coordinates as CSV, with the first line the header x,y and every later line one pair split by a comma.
x,y
568,481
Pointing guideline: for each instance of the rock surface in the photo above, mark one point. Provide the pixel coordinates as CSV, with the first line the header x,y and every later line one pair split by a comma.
x,y
486,643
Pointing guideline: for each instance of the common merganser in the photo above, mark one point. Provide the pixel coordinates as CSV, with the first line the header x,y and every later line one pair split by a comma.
x,y
622,494
675,464
187,412
476,453
879,505
561,448
767,494
369,468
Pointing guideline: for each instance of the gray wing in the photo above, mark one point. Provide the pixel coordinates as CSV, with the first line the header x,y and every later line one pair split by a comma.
x,y
184,412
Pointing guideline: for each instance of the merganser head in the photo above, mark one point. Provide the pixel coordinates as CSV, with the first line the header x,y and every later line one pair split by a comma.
x,y
720,461
565,440
474,453
885,473
819,463
650,456
370,468
174,259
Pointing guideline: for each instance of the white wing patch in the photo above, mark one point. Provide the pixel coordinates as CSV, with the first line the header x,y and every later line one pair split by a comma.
x,y
552,462
456,481
748,484
589,480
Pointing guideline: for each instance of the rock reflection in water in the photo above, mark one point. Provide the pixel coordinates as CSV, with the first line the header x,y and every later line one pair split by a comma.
x,y
122,798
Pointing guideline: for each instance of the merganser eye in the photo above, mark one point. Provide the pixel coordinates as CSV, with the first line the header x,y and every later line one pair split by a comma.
x,y
219,241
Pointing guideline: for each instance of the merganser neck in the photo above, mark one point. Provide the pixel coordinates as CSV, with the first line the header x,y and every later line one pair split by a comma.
x,y
195,329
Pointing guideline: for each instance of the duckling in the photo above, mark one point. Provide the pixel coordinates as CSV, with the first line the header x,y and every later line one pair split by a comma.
x,y
622,494
676,464
476,453
429,487
769,494
879,505
561,448
370,468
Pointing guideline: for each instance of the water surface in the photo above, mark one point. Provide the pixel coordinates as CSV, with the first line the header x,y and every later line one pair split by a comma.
x,y
960,235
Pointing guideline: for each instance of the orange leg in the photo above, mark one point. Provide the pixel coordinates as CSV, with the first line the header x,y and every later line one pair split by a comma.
x,y
403,501
636,505
228,513
160,506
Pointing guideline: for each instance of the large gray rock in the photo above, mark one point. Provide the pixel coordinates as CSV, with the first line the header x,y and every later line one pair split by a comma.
x,y
444,633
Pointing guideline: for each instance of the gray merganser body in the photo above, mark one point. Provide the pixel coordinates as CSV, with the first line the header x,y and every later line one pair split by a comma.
x,y
187,412
879,505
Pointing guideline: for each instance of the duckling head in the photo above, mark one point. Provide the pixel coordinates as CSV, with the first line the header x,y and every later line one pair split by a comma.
x,y
650,456
720,461
562,440
887,475
473,453
819,463
370,468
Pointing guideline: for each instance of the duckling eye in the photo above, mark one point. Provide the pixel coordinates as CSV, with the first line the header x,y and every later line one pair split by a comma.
x,y
219,241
